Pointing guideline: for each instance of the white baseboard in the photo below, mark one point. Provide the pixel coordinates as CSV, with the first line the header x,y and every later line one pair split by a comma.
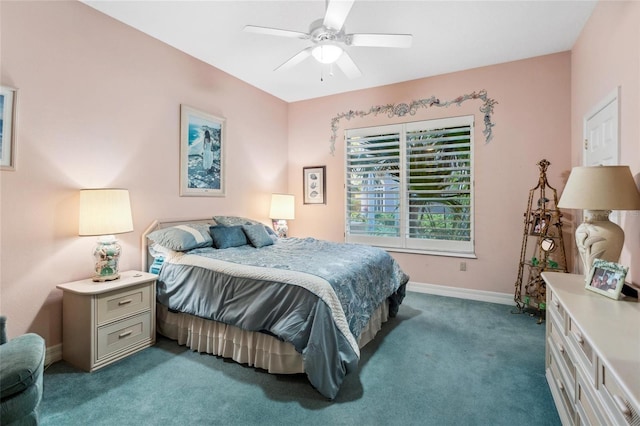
x,y
53,354
462,293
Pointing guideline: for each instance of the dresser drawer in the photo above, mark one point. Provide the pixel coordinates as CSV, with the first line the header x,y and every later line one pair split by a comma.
x,y
558,344
562,368
583,350
555,308
615,398
588,406
558,386
118,304
121,335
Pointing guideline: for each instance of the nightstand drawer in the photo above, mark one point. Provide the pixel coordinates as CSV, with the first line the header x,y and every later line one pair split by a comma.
x,y
122,334
118,304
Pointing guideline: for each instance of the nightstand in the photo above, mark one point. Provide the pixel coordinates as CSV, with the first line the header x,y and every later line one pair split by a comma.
x,y
103,322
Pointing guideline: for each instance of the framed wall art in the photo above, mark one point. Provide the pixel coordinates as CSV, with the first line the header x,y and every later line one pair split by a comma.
x,y
202,147
313,179
606,278
7,128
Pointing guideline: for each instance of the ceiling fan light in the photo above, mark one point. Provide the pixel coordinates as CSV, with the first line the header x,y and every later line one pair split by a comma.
x,y
326,53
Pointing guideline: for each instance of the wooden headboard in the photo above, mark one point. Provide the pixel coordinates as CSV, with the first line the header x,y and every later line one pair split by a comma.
x,y
147,260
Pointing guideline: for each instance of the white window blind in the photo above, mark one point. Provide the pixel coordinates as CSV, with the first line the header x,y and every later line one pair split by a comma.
x,y
411,185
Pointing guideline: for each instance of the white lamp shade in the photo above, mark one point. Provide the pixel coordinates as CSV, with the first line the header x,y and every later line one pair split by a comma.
x,y
600,188
326,53
282,207
104,212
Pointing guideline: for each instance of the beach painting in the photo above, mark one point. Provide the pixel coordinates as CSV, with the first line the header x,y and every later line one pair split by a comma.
x,y
7,134
202,148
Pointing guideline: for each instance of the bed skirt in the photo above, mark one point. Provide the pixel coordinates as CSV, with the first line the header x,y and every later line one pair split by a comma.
x,y
246,347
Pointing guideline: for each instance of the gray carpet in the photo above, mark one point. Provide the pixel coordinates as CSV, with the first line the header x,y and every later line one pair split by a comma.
x,y
442,361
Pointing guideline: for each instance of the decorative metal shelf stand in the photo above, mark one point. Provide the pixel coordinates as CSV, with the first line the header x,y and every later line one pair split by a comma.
x,y
542,246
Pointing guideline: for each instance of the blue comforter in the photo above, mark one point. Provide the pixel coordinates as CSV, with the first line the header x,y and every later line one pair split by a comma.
x,y
316,295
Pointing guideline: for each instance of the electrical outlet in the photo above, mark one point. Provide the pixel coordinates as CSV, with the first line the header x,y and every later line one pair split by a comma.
x,y
463,266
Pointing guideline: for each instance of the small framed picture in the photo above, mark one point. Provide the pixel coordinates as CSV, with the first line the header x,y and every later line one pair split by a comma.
x,y
7,128
313,184
202,147
540,224
606,278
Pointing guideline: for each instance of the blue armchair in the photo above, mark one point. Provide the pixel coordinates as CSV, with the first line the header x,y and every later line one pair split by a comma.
x,y
21,369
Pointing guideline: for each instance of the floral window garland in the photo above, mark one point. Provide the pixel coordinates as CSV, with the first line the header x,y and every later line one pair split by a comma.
x,y
402,109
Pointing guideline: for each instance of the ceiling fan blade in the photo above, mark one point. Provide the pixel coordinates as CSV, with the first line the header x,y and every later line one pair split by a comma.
x,y
380,40
275,32
295,59
348,67
337,11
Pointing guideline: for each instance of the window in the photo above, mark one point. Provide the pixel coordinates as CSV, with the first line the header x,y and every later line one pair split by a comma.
x,y
410,186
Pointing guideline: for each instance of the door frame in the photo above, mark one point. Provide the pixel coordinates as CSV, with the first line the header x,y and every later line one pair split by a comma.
x,y
613,96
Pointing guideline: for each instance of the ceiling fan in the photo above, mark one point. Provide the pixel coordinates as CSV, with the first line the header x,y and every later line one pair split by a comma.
x,y
329,39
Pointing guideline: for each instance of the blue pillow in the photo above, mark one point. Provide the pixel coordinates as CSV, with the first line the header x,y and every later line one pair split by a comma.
x,y
228,236
182,237
257,235
271,232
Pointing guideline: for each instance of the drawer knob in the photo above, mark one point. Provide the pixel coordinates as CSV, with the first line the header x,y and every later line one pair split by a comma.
x,y
561,349
125,334
124,302
560,385
555,303
579,337
622,405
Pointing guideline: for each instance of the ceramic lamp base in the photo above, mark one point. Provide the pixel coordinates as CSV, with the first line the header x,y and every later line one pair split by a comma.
x,y
281,228
598,238
107,257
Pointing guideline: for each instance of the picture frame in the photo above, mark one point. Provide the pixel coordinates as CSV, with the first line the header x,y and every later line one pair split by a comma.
x,y
606,278
313,181
8,128
540,224
202,149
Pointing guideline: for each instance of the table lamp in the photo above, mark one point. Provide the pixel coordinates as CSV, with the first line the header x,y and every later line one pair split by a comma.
x,y
282,209
598,190
105,212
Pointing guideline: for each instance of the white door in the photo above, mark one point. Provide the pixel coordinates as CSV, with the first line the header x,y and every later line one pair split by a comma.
x,y
601,140
601,144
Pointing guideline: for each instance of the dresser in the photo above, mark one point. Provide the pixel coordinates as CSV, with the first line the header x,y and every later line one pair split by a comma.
x,y
592,353
103,322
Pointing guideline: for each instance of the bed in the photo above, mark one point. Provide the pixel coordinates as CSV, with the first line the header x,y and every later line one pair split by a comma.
x,y
229,287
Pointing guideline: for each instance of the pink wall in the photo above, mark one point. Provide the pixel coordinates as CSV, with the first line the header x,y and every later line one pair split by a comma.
x,y
606,56
532,122
99,106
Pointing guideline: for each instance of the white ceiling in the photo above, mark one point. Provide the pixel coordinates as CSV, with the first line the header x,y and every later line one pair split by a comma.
x,y
448,36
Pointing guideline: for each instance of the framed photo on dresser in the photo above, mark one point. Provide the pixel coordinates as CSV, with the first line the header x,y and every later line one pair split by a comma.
x,y
606,278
